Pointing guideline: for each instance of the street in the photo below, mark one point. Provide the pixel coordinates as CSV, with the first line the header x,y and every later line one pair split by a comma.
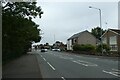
x,y
63,65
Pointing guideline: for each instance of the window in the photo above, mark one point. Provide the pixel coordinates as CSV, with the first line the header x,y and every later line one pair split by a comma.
x,y
113,47
75,40
113,40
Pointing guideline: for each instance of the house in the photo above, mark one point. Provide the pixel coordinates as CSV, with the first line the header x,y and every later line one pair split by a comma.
x,y
84,37
56,44
112,38
59,45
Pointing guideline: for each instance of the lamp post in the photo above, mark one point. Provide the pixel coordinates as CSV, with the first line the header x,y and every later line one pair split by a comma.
x,y
100,25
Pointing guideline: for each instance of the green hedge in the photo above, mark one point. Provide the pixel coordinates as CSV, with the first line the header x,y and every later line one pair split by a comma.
x,y
83,47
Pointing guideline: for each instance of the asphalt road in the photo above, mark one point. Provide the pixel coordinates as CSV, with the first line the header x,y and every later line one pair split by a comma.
x,y
64,65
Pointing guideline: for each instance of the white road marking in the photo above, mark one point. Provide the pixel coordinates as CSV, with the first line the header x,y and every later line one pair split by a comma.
x,y
115,70
111,73
63,78
65,57
80,63
50,65
84,63
88,63
44,59
83,56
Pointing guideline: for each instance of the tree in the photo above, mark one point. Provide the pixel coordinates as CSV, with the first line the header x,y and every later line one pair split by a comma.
x,y
19,31
97,32
47,44
106,48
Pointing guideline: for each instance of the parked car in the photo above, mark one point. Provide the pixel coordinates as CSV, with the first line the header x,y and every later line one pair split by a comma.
x,y
55,49
46,50
43,50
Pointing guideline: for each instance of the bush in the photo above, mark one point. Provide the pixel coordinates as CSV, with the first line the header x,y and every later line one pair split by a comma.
x,y
89,47
83,47
76,47
104,47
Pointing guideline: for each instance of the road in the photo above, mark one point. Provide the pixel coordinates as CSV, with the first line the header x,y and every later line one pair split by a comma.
x,y
63,65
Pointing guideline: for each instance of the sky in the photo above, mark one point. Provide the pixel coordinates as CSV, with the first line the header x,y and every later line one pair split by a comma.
x,y
63,19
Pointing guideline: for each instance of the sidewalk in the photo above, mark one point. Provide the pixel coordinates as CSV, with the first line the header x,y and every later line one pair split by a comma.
x,y
23,67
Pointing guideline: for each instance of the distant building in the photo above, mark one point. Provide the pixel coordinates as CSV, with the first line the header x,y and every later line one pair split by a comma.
x,y
84,37
56,44
59,45
112,38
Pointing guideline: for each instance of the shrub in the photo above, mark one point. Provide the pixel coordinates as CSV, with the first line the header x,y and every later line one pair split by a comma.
x,y
83,47
76,47
104,47
89,47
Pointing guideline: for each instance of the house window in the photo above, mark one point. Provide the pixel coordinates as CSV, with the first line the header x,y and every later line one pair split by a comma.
x,y
113,43
113,40
113,47
75,40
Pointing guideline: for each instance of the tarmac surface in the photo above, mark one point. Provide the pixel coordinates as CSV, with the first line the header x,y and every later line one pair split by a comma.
x,y
25,66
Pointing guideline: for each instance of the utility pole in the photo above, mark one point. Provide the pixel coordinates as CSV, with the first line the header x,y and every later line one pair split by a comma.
x,y
100,26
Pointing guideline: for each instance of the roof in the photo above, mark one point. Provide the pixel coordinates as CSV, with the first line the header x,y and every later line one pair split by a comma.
x,y
116,31
78,34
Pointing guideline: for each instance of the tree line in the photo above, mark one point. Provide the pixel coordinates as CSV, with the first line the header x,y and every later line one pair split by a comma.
x,y
18,29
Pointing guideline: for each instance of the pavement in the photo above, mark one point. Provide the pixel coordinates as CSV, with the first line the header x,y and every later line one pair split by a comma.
x,y
25,66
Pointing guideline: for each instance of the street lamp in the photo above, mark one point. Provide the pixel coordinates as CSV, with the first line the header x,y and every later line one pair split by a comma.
x,y
100,25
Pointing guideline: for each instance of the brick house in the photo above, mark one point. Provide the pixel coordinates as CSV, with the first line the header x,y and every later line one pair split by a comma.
x,y
84,37
112,38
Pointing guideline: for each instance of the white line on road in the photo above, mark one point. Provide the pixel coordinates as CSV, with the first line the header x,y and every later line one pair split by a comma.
x,y
115,70
44,59
80,63
50,65
65,57
88,63
63,78
85,63
110,73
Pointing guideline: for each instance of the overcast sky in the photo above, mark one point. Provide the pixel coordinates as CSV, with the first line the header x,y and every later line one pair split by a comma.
x,y
63,19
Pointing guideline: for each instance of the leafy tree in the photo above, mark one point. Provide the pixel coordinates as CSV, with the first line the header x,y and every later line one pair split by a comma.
x,y
23,9
47,44
104,47
19,31
97,32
